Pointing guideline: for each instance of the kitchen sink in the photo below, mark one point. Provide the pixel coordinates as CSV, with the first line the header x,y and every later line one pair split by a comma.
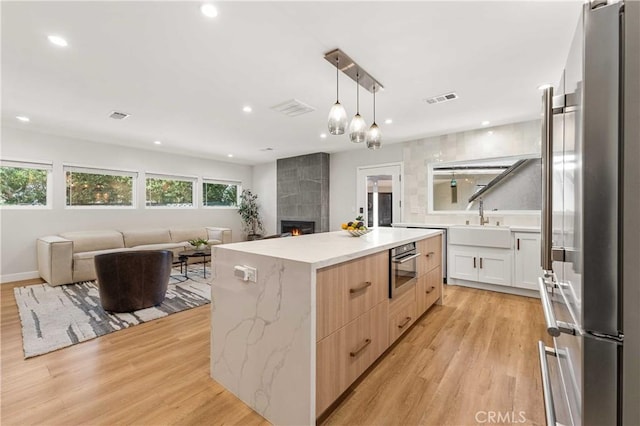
x,y
483,236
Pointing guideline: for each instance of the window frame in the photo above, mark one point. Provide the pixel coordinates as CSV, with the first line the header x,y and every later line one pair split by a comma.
x,y
175,177
101,171
34,165
237,183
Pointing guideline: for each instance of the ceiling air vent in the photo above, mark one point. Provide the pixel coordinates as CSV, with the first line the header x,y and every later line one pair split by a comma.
x,y
118,115
293,108
442,98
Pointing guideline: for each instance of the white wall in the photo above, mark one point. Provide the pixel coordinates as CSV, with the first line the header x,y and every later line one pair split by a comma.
x,y
264,185
21,227
343,174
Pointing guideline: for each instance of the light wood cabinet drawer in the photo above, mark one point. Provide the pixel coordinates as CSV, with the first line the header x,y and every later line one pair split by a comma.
x,y
402,313
347,290
344,355
430,251
428,289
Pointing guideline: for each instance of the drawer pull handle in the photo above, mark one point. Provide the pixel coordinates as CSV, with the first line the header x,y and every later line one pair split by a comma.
x,y
406,321
430,290
474,262
362,287
431,253
480,263
361,348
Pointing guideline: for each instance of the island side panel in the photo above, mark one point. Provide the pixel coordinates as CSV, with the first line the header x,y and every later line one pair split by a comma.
x,y
263,335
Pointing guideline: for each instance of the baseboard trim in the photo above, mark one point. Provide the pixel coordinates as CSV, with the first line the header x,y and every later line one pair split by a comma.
x,y
493,287
21,276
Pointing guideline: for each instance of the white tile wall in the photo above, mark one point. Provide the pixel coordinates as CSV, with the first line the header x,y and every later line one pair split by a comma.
x,y
511,139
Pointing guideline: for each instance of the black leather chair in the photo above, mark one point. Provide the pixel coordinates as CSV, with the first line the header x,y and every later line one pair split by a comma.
x,y
132,280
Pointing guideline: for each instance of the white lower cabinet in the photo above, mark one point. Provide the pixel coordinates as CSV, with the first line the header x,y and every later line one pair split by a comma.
x,y
527,260
481,264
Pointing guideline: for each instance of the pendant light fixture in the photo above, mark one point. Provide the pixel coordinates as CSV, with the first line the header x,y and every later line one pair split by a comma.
x,y
337,115
357,128
454,189
374,136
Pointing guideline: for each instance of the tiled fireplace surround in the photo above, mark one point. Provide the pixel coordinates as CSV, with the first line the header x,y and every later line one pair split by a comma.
x,y
303,190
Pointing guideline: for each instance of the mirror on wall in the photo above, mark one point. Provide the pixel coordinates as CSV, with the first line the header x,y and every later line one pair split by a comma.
x,y
507,184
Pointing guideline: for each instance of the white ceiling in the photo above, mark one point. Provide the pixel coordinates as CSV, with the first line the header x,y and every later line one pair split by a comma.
x,y
185,78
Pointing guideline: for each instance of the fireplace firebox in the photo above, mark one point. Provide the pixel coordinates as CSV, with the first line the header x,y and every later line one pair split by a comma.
x,y
298,227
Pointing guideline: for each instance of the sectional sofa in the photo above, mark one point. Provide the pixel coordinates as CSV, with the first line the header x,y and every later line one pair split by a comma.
x,y
68,257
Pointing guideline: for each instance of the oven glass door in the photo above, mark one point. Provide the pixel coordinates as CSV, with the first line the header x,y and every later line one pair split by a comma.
x,y
404,272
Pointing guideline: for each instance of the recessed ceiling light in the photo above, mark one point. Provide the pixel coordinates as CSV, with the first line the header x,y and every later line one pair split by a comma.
x,y
157,142
247,109
58,41
490,132
230,155
209,10
388,121
323,135
544,86
485,123
23,118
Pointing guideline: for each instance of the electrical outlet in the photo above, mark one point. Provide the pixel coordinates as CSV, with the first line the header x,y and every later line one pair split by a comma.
x,y
246,273
251,274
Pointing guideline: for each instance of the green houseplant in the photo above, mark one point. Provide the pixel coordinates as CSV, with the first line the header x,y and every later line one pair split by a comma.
x,y
249,214
198,243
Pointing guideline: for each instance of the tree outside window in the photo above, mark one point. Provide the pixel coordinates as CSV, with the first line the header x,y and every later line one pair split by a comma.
x,y
99,189
216,194
23,186
166,192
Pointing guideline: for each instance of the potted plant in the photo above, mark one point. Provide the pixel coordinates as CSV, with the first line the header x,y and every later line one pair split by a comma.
x,y
249,214
198,243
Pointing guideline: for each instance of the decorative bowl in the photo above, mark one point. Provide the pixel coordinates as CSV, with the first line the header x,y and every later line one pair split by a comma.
x,y
358,232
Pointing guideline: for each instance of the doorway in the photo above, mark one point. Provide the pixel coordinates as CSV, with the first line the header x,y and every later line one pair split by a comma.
x,y
379,194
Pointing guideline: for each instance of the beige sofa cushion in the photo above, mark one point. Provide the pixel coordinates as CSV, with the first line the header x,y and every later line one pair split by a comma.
x,y
94,240
135,238
83,266
186,234
163,246
215,234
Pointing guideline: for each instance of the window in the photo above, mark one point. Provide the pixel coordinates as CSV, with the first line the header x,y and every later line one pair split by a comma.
x,y
25,184
220,193
99,188
170,191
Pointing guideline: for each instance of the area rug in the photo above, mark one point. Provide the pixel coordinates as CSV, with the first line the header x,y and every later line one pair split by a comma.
x,y
57,317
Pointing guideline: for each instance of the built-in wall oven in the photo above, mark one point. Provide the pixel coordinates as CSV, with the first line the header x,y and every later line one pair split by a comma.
x,y
403,269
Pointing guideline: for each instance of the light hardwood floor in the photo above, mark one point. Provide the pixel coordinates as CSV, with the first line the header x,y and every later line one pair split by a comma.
x,y
476,353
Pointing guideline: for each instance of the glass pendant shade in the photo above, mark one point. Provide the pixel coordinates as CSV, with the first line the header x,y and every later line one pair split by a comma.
x,y
374,137
337,119
357,129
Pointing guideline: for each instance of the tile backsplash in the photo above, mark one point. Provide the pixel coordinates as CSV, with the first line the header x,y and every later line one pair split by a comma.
x,y
490,142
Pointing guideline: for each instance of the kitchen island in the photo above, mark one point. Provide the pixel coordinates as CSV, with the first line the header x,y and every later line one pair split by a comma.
x,y
296,320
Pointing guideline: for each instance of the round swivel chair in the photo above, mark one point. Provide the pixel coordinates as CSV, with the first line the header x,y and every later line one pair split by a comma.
x,y
132,280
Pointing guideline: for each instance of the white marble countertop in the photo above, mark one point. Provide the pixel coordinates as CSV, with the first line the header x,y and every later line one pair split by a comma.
x,y
512,228
424,225
330,248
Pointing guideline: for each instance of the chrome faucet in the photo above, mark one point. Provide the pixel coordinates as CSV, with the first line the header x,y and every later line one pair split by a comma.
x,y
481,212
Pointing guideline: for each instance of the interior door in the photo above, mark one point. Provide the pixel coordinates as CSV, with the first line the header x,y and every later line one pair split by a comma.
x,y
379,194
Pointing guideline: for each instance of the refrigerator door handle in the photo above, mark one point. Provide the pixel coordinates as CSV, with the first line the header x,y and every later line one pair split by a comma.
x,y
549,408
547,179
554,328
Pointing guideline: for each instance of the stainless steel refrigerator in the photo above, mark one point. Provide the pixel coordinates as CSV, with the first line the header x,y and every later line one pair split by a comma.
x,y
590,291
